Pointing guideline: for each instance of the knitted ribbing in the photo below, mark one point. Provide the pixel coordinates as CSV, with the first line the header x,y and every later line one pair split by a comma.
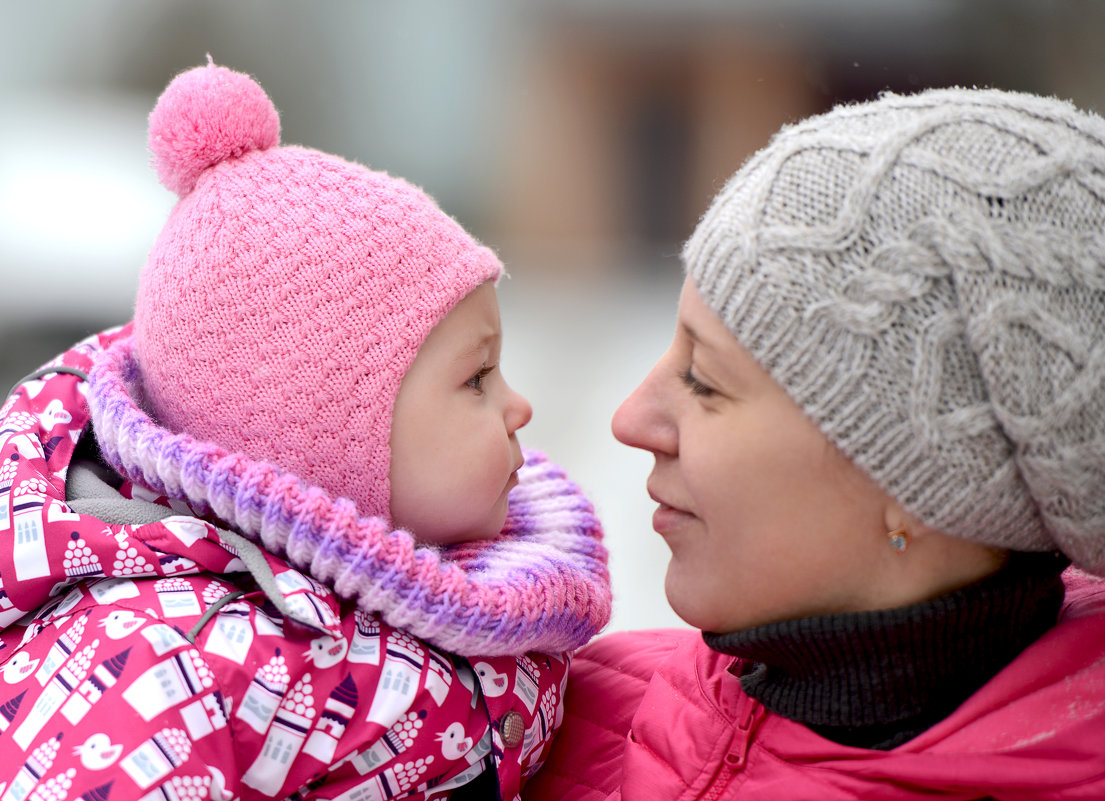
x,y
541,585
925,276
876,679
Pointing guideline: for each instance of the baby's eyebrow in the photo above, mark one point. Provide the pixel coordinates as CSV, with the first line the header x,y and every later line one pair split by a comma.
x,y
478,347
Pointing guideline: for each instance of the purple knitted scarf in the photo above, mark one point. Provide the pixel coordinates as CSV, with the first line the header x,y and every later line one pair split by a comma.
x,y
541,585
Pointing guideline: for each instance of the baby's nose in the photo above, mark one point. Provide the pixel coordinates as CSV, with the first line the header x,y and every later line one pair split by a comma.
x,y
519,411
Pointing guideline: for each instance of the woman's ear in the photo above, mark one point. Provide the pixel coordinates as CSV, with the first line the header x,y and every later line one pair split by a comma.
x,y
902,528
937,562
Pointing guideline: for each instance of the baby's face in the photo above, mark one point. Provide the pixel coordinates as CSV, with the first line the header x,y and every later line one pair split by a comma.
x,y
454,449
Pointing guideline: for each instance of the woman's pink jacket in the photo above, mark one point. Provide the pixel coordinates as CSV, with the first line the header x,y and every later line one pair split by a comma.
x,y
658,715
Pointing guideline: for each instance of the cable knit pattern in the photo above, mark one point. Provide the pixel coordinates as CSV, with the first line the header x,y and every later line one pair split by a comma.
x,y
925,275
542,585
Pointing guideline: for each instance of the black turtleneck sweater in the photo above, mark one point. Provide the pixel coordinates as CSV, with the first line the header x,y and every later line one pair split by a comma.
x,y
878,679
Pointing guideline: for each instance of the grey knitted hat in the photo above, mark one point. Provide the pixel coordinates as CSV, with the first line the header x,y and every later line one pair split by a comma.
x,y
925,275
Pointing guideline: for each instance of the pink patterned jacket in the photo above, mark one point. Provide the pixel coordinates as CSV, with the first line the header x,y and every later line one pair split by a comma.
x,y
146,652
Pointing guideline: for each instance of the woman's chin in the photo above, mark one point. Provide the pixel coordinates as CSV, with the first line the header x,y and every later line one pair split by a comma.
x,y
685,601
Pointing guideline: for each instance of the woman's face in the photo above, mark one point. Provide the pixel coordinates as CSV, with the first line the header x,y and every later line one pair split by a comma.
x,y
765,519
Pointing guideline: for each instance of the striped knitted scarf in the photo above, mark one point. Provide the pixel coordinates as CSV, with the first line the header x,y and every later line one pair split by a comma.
x,y
541,585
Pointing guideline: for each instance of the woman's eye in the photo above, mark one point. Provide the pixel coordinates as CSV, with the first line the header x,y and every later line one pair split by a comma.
x,y
694,385
476,381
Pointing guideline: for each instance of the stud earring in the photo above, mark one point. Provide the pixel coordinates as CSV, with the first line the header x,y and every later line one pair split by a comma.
x,y
899,539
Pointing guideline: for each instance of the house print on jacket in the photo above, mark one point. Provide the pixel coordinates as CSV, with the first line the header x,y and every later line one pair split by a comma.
x,y
282,692
30,559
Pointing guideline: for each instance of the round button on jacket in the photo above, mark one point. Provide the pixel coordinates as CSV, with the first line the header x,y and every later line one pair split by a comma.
x,y
512,729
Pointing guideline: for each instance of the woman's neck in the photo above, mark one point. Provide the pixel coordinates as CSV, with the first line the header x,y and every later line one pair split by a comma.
x,y
877,679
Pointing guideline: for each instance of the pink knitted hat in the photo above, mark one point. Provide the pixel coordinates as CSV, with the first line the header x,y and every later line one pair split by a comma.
x,y
289,291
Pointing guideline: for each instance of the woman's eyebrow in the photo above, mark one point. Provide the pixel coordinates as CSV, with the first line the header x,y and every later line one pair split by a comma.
x,y
711,342
711,354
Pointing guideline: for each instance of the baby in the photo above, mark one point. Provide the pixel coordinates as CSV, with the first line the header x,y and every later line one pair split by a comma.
x,y
320,564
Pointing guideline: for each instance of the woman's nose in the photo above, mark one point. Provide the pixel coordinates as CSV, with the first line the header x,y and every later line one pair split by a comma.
x,y
644,420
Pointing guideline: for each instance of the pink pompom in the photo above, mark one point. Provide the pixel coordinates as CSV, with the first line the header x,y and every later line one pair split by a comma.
x,y
205,115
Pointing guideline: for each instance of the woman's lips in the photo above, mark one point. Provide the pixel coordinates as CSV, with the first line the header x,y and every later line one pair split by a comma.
x,y
668,518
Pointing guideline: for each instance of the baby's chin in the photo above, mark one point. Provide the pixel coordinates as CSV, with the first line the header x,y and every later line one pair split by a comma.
x,y
486,530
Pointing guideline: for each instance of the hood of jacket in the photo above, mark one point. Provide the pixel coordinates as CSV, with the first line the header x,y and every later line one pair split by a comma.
x,y
542,585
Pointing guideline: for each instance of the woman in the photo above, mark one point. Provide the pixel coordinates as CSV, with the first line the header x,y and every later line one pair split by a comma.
x,y
879,441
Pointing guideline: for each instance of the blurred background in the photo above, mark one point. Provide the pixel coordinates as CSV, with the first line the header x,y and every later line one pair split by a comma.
x,y
579,138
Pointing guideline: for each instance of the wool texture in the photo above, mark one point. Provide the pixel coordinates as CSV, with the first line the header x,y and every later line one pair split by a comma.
x,y
289,290
925,276
541,585
875,679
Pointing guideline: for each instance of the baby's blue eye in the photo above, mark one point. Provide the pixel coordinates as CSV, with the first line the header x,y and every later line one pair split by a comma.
x,y
476,381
